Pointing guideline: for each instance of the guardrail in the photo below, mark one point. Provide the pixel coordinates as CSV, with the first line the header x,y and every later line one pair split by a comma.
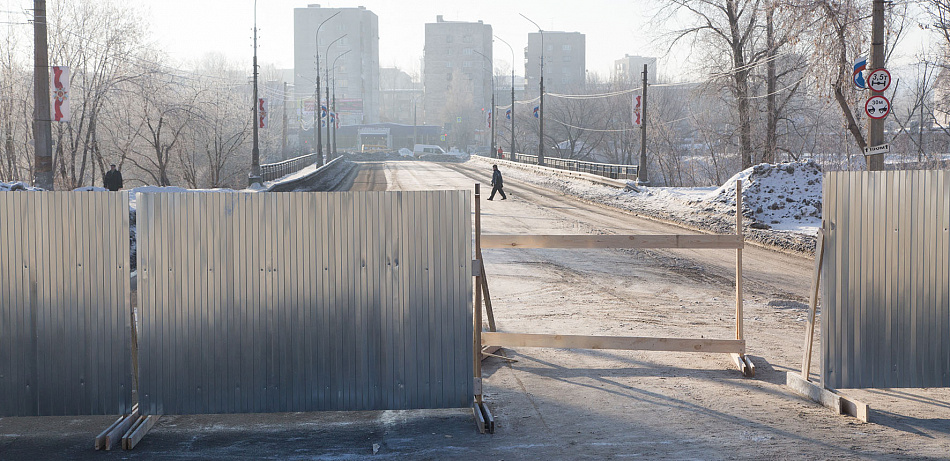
x,y
606,170
272,171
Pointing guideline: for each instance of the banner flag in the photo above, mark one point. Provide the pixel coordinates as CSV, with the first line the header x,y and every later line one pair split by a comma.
x,y
537,110
60,93
508,114
489,119
636,110
323,111
858,74
261,113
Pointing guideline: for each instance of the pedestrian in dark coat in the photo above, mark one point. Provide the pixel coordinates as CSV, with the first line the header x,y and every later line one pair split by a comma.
x,y
113,179
497,184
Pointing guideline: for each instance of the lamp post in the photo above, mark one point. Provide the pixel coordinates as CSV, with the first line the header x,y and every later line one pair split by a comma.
x,y
316,94
328,90
540,96
255,175
333,107
512,109
491,113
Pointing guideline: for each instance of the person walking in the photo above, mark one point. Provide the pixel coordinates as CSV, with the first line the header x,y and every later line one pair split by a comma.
x,y
112,179
497,184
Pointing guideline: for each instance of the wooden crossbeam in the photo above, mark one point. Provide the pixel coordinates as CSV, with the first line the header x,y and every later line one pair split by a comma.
x,y
731,241
841,404
614,342
138,431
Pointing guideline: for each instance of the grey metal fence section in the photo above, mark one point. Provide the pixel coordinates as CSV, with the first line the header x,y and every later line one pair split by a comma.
x,y
305,301
607,170
886,280
65,343
272,171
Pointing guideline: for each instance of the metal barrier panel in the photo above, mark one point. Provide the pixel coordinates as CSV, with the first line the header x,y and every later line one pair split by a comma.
x,y
305,301
65,328
886,280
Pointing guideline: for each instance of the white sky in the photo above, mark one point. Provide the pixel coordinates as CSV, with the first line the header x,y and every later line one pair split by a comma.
x,y
189,29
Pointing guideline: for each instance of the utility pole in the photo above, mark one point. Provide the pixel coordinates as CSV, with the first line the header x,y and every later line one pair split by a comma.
x,y
512,109
876,126
540,96
283,128
42,125
316,94
327,71
255,176
642,177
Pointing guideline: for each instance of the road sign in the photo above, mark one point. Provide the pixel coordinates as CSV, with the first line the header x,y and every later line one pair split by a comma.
x,y
877,107
858,75
882,149
879,80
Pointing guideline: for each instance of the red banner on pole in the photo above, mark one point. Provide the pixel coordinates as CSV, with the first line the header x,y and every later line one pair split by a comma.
x,y
60,93
261,113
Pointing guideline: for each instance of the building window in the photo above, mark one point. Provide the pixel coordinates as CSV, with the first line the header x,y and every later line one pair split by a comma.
x,y
467,38
449,39
550,47
467,64
566,58
344,41
466,51
448,64
565,47
342,83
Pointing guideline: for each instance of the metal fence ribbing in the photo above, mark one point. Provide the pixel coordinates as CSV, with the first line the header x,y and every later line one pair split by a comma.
x,y
64,296
304,302
886,280
607,170
272,171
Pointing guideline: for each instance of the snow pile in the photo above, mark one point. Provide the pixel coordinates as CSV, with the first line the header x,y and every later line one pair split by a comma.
x,y
782,196
16,187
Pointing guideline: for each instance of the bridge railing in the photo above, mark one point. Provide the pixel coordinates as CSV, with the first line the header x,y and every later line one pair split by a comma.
x,y
607,170
272,171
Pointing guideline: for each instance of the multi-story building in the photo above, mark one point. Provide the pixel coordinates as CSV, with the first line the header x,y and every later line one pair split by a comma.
x,y
354,75
565,66
629,69
457,74
401,97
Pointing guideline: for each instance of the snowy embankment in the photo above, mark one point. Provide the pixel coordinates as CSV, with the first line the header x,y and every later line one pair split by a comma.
x,y
781,202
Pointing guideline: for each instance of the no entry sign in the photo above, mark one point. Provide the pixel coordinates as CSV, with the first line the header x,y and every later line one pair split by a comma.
x,y
877,107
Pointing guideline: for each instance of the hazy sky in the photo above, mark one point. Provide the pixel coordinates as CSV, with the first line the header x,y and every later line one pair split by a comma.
x,y
188,29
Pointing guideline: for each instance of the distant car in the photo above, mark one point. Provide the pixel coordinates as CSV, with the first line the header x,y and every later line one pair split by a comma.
x,y
422,149
405,152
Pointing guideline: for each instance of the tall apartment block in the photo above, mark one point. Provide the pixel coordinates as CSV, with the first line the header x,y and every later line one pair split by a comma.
x,y
355,75
565,65
630,69
456,67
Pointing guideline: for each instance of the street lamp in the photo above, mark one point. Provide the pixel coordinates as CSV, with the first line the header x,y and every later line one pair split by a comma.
x,y
512,153
316,94
328,90
540,96
333,108
255,176
491,113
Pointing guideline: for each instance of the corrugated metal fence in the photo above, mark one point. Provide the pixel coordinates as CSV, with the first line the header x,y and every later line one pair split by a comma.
x,y
64,304
886,279
302,302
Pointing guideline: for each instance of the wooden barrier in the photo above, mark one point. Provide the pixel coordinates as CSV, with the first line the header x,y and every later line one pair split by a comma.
x,y
483,340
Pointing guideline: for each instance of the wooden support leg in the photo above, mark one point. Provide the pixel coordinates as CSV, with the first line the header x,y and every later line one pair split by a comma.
x,y
813,304
138,431
488,308
113,434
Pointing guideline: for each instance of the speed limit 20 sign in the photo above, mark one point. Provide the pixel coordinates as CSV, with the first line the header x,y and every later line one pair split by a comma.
x,y
877,107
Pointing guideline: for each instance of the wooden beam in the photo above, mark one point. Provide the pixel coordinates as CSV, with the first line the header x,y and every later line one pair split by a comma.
x,y
135,434
612,241
115,435
813,303
101,438
613,342
841,404
740,319
479,417
744,364
487,296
